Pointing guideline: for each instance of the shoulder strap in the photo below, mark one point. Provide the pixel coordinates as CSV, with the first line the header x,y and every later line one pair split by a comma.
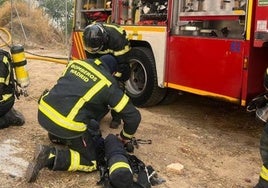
x,y
12,79
5,53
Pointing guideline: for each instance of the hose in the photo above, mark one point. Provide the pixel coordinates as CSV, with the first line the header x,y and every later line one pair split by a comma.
x,y
51,59
6,43
32,56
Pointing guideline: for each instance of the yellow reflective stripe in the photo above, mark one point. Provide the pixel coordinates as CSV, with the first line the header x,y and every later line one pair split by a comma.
x,y
91,93
122,103
5,60
106,51
116,53
97,62
51,155
119,165
2,80
127,135
75,160
117,74
264,173
75,163
68,65
121,52
86,168
59,119
6,97
6,80
94,71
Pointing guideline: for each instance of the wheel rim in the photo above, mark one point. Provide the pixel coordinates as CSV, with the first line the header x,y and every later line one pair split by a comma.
x,y
138,78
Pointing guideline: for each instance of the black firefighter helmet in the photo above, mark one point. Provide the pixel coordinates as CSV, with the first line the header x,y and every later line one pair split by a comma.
x,y
94,37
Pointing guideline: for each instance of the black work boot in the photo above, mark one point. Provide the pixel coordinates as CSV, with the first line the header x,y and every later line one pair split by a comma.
x,y
116,120
14,118
262,183
3,123
40,160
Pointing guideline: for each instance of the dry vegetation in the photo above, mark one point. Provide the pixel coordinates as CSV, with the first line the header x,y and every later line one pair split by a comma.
x,y
29,26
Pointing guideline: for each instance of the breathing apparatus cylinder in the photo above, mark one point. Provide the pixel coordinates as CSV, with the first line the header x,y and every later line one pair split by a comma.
x,y
19,65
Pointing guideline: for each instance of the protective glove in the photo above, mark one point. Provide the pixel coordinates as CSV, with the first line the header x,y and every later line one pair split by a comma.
x,y
128,144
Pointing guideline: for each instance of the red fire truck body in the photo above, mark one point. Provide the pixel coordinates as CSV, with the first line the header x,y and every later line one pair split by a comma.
x,y
215,48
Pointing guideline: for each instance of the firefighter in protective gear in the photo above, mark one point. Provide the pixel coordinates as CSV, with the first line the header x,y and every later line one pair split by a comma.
x,y
120,173
8,115
86,91
102,38
122,170
263,180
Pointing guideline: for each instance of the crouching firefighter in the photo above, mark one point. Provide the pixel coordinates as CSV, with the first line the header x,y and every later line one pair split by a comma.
x,y
259,105
71,111
9,85
118,169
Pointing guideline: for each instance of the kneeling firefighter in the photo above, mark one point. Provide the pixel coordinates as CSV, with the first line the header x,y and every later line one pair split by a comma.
x,y
259,104
71,111
9,85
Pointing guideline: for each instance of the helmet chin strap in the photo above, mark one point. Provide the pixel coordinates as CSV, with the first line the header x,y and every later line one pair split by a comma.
x,y
92,51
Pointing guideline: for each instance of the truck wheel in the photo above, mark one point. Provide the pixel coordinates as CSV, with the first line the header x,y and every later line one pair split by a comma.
x,y
142,85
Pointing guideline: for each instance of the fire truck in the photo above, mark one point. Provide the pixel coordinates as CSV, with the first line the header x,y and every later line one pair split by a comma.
x,y
214,48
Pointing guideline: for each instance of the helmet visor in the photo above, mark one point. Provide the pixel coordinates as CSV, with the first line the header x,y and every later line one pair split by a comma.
x,y
93,38
92,50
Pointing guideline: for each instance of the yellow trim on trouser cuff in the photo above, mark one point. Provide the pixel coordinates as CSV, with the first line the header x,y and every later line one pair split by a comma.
x,y
123,102
75,160
75,163
264,173
117,165
127,135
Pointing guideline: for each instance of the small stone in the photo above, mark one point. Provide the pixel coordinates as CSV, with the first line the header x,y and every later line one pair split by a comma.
x,y
175,168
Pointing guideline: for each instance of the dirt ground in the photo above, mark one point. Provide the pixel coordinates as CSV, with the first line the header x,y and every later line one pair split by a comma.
x,y
216,142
